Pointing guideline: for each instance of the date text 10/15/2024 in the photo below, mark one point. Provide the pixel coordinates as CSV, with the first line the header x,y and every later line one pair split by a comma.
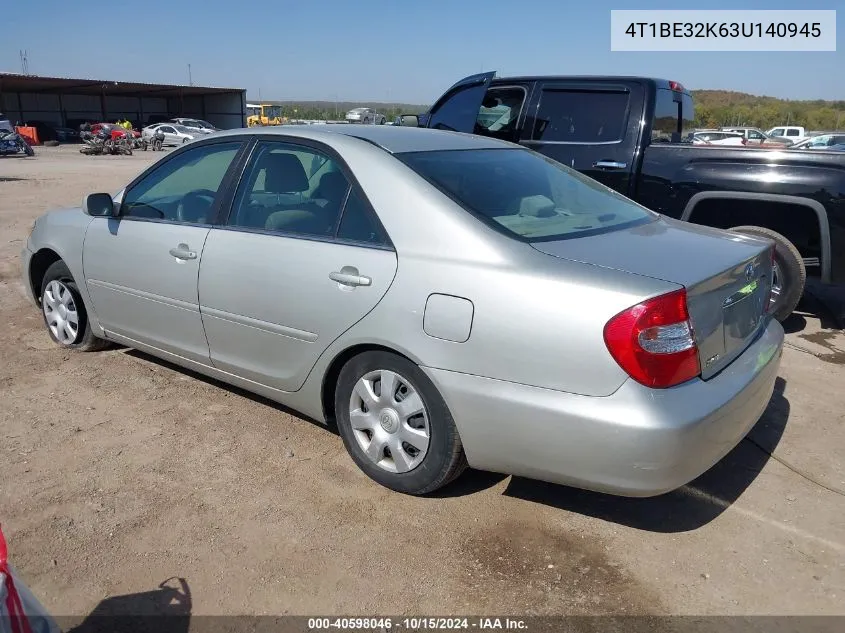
x,y
418,623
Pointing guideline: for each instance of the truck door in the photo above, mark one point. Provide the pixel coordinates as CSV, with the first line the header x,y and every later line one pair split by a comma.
x,y
591,126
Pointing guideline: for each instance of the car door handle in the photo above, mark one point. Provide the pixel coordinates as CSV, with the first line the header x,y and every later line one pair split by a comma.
x,y
609,164
183,252
349,276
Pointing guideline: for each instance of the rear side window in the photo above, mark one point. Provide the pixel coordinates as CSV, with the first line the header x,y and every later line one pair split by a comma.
x,y
792,132
674,117
526,195
580,116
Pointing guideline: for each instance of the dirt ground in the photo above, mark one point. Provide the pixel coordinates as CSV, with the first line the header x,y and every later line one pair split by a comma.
x,y
119,472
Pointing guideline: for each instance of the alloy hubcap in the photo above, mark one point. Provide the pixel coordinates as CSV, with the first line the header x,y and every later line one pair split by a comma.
x,y
389,421
60,312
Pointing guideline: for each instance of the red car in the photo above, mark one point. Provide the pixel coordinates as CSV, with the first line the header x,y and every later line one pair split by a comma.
x,y
116,130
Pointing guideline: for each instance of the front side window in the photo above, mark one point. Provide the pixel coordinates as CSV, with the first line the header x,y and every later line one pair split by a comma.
x,y
777,131
290,188
580,116
499,113
526,195
184,188
459,111
754,135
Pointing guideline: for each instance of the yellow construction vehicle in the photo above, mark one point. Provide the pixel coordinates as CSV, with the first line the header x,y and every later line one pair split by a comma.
x,y
264,114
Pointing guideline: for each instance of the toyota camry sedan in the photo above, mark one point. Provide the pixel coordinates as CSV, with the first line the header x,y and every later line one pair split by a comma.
x,y
444,299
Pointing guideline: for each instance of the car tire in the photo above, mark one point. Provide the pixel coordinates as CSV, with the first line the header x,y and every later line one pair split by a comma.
x,y
790,272
59,288
436,456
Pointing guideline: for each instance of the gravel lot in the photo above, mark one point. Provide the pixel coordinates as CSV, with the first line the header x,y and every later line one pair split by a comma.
x,y
119,471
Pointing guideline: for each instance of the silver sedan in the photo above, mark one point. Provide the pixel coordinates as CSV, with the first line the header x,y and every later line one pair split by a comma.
x,y
444,299
365,116
174,134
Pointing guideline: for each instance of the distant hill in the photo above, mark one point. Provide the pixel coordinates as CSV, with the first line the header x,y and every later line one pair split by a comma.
x,y
337,110
714,108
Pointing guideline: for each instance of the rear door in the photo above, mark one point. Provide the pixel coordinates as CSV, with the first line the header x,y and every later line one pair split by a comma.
x,y
301,258
591,126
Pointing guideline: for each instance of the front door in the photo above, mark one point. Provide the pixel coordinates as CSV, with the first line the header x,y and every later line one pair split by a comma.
x,y
141,268
301,259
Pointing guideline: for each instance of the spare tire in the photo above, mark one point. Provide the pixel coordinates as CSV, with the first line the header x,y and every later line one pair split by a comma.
x,y
789,276
50,143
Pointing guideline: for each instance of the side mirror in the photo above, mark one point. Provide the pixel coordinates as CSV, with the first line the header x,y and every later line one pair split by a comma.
x,y
99,205
409,120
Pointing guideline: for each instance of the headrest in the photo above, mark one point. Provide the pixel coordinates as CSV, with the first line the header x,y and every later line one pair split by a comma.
x,y
536,206
284,173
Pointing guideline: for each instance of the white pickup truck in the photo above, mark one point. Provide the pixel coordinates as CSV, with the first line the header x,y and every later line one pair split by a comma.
x,y
794,133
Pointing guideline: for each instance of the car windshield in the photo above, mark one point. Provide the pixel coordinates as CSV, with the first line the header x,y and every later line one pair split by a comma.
x,y
526,195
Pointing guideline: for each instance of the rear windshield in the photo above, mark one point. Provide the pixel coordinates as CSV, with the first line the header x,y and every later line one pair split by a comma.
x,y
526,195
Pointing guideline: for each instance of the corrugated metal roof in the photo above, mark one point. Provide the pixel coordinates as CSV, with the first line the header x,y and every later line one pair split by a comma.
x,y
15,82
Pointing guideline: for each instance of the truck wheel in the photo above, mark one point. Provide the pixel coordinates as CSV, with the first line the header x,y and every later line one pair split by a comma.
x,y
790,275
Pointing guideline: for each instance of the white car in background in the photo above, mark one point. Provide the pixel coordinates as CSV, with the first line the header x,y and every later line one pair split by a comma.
x,y
794,133
174,134
365,115
195,125
718,137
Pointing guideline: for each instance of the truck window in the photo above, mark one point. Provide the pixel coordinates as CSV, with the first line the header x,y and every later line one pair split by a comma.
x,y
499,112
580,116
792,132
674,118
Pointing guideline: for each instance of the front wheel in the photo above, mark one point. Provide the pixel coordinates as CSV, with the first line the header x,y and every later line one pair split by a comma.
x,y
64,311
395,425
789,275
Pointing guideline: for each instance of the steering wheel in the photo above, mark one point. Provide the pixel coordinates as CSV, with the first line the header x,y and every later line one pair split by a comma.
x,y
194,205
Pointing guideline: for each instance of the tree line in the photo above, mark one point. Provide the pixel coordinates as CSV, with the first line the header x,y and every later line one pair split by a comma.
x,y
716,108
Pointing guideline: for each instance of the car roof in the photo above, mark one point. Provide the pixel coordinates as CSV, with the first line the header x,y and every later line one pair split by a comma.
x,y
394,139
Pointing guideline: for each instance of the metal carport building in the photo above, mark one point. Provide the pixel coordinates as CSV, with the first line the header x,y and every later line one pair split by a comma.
x,y
59,100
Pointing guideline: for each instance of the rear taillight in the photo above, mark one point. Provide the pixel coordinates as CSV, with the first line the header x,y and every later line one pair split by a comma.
x,y
653,341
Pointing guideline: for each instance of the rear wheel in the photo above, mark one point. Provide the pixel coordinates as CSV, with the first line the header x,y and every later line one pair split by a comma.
x,y
64,311
395,424
789,275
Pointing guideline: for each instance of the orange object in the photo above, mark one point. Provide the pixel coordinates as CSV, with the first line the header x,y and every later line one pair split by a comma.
x,y
29,133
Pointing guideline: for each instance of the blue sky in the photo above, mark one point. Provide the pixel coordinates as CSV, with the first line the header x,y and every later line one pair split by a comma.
x,y
384,50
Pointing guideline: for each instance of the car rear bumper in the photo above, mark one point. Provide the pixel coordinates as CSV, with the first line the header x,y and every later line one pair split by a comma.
x,y
637,442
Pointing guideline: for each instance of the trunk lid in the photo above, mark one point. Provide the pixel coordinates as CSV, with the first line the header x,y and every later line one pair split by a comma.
x,y
727,277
